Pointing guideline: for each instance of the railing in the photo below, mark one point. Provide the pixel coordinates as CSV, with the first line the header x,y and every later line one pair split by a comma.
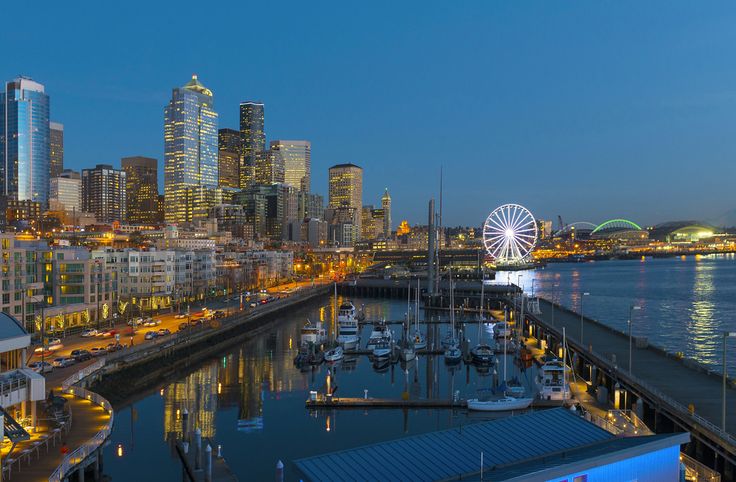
x,y
697,472
91,445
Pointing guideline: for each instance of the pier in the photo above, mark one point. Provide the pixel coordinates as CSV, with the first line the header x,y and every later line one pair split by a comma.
x,y
668,392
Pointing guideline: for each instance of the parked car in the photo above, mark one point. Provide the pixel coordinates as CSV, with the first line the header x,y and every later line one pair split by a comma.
x,y
97,351
55,344
163,332
150,335
89,332
63,361
41,367
107,333
81,355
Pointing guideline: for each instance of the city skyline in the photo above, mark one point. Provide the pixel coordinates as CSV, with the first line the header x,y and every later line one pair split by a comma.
x,y
642,100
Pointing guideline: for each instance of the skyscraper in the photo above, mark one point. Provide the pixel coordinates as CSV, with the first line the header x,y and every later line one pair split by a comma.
x,y
346,194
296,156
253,138
230,151
56,149
269,167
103,193
65,192
190,152
386,205
24,141
141,189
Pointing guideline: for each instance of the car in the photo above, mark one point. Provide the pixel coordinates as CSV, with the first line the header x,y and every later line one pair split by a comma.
x,y
179,316
113,347
253,305
97,351
54,344
63,361
81,355
107,333
150,335
41,367
163,332
89,332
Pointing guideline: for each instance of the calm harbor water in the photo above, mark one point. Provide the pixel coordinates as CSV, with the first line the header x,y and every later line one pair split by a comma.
x,y
686,303
251,400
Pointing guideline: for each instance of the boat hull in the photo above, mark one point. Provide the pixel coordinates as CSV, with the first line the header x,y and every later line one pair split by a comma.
x,y
502,405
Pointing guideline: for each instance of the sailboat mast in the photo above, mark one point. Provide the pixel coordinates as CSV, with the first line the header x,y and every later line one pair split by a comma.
x,y
505,311
334,316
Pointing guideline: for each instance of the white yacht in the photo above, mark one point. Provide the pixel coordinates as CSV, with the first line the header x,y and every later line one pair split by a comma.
x,y
346,319
552,380
380,333
334,354
499,405
502,330
313,333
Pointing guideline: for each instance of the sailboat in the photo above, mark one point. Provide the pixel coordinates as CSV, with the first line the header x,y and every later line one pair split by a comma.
x,y
407,352
482,353
335,353
499,405
420,342
453,354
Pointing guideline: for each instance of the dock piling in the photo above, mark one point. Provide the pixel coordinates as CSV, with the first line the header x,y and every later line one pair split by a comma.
x,y
208,463
279,471
197,449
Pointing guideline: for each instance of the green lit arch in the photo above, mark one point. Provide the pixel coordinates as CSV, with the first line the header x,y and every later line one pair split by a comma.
x,y
622,223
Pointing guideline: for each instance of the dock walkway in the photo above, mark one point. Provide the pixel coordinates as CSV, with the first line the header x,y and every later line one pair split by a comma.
x,y
666,373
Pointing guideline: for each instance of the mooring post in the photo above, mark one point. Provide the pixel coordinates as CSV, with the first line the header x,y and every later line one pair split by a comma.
x,y
279,471
197,449
185,425
208,463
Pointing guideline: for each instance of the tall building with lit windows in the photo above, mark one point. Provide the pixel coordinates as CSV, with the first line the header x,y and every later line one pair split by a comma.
x,y
230,151
56,146
190,152
346,196
24,141
103,193
296,157
141,189
386,206
269,168
253,139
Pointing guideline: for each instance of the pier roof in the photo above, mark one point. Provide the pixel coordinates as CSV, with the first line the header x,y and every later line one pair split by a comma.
x,y
536,441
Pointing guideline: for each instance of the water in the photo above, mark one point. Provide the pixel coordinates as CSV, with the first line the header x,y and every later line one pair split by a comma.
x,y
251,401
686,304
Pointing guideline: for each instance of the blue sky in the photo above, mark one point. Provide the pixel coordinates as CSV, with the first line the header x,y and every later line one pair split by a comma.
x,y
586,109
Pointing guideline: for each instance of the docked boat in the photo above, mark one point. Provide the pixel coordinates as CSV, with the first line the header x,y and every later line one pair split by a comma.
x,y
552,380
313,333
453,355
420,342
499,405
482,354
302,357
348,330
348,342
334,354
502,329
407,353
382,350
381,333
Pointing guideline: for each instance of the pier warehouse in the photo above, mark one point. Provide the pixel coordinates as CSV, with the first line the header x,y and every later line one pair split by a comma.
x,y
550,445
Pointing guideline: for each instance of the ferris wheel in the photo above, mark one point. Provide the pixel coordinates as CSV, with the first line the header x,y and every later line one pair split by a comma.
x,y
510,233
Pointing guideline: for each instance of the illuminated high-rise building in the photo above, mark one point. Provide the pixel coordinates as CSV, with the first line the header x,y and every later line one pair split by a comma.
x,y
230,148
141,189
269,167
56,149
24,141
253,138
346,193
190,152
103,193
65,192
296,156
386,205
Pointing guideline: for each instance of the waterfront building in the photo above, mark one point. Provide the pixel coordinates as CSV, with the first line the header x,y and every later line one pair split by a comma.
x,y
141,189
103,193
190,152
21,278
65,192
346,193
24,141
386,206
296,159
56,149
175,238
253,139
254,269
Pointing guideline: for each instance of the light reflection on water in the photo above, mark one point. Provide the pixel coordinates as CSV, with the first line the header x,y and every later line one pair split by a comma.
x,y
251,400
686,304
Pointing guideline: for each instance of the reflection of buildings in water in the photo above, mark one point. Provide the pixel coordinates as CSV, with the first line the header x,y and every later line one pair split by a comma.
x,y
197,393
701,329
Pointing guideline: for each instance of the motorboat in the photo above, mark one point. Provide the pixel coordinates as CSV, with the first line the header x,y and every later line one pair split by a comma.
x,y
482,354
380,333
552,380
453,354
346,320
502,329
313,333
407,353
334,354
348,342
346,311
382,350
499,405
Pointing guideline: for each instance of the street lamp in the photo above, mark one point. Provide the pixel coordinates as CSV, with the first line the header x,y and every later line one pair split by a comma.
x,y
631,308
581,316
726,336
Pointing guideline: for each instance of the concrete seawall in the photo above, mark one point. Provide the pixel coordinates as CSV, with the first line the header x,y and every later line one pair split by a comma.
x,y
132,371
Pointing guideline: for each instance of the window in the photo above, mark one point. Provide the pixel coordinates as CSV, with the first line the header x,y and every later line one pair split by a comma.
x,y
581,478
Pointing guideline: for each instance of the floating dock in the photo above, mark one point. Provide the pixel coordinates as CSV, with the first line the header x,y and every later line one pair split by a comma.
x,y
348,402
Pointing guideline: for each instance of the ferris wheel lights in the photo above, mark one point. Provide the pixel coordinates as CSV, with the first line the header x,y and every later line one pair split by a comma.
x,y
510,234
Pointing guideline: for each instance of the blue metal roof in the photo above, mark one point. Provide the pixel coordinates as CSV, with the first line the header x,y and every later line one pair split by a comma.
x,y
454,452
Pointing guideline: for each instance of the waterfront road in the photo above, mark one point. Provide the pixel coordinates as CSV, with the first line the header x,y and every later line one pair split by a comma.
x,y
665,373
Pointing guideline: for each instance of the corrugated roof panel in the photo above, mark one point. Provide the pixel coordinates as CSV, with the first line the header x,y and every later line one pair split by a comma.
x,y
456,451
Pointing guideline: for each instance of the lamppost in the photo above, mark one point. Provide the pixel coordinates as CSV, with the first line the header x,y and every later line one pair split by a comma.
x,y
631,309
581,316
726,336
